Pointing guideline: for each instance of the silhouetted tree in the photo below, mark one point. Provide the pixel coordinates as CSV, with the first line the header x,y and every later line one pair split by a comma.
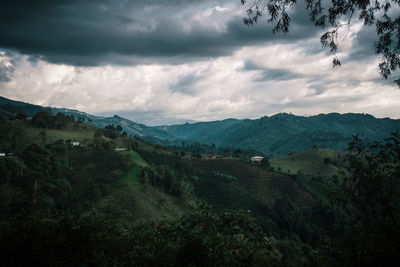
x,y
371,194
265,164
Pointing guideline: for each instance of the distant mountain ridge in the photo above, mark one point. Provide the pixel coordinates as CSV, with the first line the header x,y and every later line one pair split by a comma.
x,y
277,134
282,133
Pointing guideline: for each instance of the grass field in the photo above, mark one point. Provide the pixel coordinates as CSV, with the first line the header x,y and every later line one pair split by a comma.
x,y
309,162
132,175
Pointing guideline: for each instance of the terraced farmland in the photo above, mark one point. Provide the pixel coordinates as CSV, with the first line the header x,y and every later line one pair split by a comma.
x,y
310,162
261,185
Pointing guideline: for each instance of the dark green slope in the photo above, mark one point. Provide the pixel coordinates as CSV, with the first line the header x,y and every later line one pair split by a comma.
x,y
10,108
201,130
90,177
283,133
248,182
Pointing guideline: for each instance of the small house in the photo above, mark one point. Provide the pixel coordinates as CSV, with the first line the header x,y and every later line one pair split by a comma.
x,y
210,156
75,143
257,159
120,149
2,154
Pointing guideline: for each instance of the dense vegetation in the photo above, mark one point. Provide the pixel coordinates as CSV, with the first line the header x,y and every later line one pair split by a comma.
x,y
73,194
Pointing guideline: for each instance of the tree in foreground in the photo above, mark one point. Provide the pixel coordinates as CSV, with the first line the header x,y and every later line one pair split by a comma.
x,y
336,16
371,195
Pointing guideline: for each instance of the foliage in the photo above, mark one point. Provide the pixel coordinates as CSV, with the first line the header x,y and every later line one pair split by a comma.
x,y
45,119
66,240
157,157
337,15
41,181
205,238
265,164
169,180
373,189
371,195
112,131
226,177
200,238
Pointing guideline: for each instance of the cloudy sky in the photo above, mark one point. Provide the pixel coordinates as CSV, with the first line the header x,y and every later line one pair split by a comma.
x,y
173,61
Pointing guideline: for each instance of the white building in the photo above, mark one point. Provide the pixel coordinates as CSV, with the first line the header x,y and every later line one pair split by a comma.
x,y
257,158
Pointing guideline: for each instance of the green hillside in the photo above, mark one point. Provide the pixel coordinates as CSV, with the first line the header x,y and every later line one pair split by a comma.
x,y
114,182
264,186
92,175
317,171
279,134
321,162
283,133
132,175
95,196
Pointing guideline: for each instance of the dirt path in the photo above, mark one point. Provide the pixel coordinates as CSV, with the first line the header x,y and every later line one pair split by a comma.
x,y
140,163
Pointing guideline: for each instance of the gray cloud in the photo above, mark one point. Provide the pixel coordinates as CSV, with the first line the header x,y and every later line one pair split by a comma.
x,y
363,47
185,84
172,61
156,117
7,65
91,33
4,73
267,74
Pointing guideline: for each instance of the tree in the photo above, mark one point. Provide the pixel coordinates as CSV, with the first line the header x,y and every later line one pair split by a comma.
x,y
371,194
119,128
21,116
43,136
265,164
43,119
237,152
335,16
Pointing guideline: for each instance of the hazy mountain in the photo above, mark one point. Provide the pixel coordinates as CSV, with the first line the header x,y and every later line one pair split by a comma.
x,y
132,128
283,132
278,134
10,108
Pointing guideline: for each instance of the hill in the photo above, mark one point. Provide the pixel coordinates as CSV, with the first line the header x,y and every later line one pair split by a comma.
x,y
275,135
137,182
284,133
60,177
46,172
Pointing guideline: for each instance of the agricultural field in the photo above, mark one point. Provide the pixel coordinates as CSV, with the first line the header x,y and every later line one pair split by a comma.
x,y
320,163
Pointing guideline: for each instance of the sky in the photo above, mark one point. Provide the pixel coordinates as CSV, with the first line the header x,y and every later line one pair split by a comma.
x,y
164,62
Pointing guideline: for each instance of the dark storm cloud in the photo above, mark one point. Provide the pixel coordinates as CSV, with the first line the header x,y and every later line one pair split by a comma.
x,y
7,66
101,32
363,47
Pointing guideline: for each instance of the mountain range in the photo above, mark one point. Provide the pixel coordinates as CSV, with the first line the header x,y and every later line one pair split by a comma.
x,y
278,134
